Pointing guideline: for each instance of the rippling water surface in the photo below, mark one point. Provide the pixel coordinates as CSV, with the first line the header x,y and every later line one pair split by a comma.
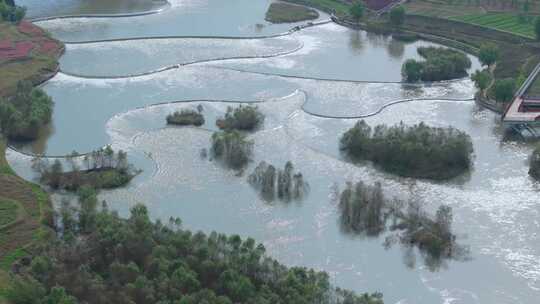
x,y
496,207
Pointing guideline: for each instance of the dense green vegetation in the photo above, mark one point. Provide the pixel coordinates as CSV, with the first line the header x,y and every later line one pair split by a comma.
x,y
503,90
245,118
232,148
534,163
414,151
357,10
481,79
101,258
23,115
364,210
397,15
103,169
284,184
10,12
439,64
280,12
186,118
488,54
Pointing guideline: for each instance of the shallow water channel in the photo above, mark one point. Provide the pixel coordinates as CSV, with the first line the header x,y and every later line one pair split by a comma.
x,y
119,92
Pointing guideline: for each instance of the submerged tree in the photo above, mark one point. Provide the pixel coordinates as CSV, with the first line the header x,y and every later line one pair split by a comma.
x,y
284,184
232,148
364,210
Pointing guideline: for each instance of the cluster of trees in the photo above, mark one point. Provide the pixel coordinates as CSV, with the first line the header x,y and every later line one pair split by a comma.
x,y
503,90
100,258
534,163
284,184
232,148
439,64
415,151
186,117
24,114
103,168
244,118
364,210
10,12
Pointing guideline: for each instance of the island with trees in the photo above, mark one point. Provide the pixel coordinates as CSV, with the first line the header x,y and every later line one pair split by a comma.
x,y
100,169
186,117
243,118
418,151
439,64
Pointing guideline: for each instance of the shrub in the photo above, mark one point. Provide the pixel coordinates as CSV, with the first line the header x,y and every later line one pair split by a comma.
x,y
185,118
245,118
415,151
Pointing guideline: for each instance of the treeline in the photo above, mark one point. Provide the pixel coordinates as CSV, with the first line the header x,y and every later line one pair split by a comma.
x,y
284,184
100,258
365,210
439,64
413,151
10,12
101,169
24,114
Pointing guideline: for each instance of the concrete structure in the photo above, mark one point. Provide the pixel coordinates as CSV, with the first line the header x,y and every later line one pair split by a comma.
x,y
523,114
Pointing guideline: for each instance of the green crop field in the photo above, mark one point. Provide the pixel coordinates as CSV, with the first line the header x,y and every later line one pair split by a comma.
x,y
500,21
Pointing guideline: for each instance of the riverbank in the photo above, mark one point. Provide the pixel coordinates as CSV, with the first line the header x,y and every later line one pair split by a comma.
x,y
27,53
32,223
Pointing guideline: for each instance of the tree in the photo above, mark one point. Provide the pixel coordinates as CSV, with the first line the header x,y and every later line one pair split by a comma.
x,y
504,89
488,54
537,28
357,10
412,70
397,16
481,79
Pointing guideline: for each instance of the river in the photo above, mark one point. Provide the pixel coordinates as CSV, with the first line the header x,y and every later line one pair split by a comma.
x,y
119,92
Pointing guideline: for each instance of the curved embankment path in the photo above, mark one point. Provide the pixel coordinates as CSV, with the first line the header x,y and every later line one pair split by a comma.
x,y
302,108
136,14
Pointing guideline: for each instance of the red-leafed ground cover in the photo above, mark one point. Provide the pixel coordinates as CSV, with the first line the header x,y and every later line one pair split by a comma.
x,y
26,53
33,41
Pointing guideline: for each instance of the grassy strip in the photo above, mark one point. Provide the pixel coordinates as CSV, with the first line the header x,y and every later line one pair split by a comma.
x,y
280,12
499,21
4,166
328,6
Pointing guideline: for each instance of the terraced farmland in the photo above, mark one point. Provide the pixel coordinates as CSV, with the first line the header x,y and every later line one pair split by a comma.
x,y
500,21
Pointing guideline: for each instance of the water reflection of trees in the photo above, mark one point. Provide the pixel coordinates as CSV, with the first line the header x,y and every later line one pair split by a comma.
x,y
366,211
